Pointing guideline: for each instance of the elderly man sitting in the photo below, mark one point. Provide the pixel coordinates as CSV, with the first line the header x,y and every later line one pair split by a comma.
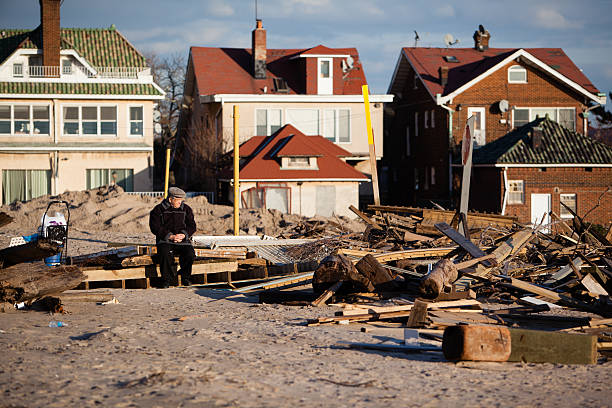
x,y
173,224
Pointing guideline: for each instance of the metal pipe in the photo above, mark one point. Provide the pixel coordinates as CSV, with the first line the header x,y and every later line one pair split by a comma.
x,y
585,118
236,172
167,173
506,192
450,153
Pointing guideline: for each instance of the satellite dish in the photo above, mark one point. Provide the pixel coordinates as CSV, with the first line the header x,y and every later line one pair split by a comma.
x,y
156,115
349,62
449,40
503,106
158,128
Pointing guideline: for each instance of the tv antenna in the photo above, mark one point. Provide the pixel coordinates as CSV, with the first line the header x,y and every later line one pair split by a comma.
x,y
256,13
449,40
416,38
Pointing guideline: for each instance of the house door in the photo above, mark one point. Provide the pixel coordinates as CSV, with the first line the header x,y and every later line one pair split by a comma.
x,y
479,126
325,83
326,200
540,208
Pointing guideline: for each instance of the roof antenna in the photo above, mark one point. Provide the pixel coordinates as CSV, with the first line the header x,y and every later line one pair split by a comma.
x,y
416,38
256,14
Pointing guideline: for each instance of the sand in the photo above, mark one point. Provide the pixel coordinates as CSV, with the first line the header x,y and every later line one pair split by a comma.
x,y
238,353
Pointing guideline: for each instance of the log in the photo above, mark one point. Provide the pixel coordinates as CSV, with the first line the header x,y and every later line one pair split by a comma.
x,y
418,314
31,251
490,343
443,273
336,268
25,282
378,275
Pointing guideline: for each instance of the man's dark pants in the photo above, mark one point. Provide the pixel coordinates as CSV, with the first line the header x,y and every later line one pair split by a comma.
x,y
166,253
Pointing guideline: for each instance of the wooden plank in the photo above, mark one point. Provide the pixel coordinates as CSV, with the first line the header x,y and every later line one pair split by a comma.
x,y
399,308
201,252
593,286
528,287
563,272
117,253
418,314
388,347
365,218
150,271
80,296
327,294
462,241
278,283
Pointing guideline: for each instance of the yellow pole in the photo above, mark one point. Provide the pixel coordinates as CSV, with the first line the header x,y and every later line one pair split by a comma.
x,y
236,172
167,173
366,101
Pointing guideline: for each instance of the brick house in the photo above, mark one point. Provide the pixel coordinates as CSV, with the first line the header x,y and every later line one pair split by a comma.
x,y
437,89
76,110
297,174
531,170
317,90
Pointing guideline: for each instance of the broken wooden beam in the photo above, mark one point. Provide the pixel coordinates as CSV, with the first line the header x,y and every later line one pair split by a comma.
x,y
28,252
493,343
27,281
329,292
365,218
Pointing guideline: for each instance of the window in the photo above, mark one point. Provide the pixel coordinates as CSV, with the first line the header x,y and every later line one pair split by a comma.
x,y
302,162
24,185
324,68
407,141
570,201
103,177
136,121
433,122
17,70
480,134
306,120
268,121
521,117
566,117
516,192
517,75
280,85
24,119
337,125
426,120
416,124
66,67
89,120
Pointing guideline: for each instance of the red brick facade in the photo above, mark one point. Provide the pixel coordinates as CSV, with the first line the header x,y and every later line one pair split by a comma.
x,y
50,25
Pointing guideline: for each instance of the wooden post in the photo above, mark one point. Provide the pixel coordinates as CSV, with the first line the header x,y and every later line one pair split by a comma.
x,y
466,159
366,101
167,173
236,172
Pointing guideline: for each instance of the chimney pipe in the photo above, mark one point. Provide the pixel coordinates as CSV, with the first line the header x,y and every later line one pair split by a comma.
x,y
259,51
481,39
50,32
443,76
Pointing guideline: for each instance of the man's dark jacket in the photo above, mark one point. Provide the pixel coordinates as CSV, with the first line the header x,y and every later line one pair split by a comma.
x,y
164,220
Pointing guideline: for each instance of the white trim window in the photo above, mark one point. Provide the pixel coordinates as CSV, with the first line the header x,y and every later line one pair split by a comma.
x,y
517,75
103,177
480,131
570,201
25,119
337,125
566,117
136,117
267,121
18,70
89,120
516,192
66,67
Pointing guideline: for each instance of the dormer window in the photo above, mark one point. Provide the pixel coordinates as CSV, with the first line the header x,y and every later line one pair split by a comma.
x,y
517,75
280,85
66,67
299,163
18,70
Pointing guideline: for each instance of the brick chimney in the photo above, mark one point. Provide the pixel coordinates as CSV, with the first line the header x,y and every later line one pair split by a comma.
x,y
259,51
443,76
536,138
50,32
481,39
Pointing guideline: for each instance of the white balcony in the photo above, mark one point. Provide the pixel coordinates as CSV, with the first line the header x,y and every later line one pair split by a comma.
x,y
36,71
74,72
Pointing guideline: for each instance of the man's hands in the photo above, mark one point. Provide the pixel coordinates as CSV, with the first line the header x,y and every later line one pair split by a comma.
x,y
177,237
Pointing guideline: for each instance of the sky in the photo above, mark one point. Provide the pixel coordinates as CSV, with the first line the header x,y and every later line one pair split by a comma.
x,y
377,28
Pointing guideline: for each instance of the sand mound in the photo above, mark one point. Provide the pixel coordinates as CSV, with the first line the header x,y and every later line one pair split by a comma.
x,y
111,209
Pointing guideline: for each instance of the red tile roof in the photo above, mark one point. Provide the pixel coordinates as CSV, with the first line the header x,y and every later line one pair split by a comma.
x,y
264,157
323,50
229,70
473,63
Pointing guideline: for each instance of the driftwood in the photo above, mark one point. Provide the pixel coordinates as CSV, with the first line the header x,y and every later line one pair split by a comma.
x,y
31,251
26,282
380,277
443,273
335,268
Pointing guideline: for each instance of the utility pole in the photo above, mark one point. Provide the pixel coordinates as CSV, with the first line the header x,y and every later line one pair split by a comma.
x,y
366,101
236,173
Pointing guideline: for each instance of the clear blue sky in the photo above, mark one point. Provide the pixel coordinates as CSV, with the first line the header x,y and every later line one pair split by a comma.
x,y
377,28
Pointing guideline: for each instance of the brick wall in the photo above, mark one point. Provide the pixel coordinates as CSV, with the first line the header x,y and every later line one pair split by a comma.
x,y
587,183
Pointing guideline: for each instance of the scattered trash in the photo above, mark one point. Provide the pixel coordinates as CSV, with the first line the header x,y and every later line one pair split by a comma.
x,y
54,323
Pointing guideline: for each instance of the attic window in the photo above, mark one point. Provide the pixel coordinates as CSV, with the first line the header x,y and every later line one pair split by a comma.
x,y
451,58
298,162
517,75
280,85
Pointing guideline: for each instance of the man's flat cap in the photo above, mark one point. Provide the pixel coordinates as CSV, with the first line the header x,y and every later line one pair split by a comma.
x,y
176,192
